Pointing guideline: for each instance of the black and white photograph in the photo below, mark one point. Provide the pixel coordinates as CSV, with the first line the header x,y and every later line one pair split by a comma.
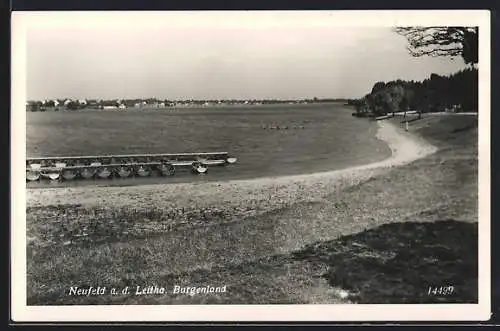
x,y
255,165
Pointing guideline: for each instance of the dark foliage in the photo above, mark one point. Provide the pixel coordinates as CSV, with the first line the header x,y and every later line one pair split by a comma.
x,y
73,105
442,41
457,92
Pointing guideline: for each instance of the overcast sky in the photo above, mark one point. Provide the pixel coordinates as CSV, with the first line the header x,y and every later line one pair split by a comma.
x,y
214,62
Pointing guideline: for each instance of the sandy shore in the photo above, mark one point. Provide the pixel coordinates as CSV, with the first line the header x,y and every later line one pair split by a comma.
x,y
274,240
259,194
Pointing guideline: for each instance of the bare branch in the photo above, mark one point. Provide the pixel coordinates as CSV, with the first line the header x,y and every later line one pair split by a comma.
x,y
441,41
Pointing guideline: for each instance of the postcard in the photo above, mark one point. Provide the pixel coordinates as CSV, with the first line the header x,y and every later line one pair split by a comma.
x,y
265,166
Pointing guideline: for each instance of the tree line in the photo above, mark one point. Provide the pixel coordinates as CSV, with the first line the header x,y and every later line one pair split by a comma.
x,y
457,92
153,102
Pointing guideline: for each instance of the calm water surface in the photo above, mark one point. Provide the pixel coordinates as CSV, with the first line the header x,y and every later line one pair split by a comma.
x,y
318,137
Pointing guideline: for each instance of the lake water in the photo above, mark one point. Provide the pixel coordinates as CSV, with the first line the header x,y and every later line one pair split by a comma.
x,y
311,138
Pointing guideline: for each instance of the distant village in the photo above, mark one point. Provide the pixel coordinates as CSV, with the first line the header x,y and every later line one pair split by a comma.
x,y
121,104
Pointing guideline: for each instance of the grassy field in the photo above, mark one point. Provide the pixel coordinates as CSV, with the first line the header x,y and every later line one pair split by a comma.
x,y
385,240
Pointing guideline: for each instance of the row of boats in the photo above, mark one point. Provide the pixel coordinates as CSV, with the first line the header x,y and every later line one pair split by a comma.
x,y
122,166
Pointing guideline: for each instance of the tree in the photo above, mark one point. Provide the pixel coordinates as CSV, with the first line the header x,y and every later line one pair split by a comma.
x,y
407,99
442,41
73,105
395,97
378,86
437,93
49,103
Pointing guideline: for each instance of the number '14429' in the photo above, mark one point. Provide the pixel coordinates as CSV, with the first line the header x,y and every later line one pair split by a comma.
x,y
440,290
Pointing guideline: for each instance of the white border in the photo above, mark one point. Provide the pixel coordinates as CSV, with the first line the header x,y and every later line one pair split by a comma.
x,y
21,21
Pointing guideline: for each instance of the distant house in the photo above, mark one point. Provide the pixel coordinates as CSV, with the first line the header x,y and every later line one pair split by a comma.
x,y
92,104
128,102
110,104
67,102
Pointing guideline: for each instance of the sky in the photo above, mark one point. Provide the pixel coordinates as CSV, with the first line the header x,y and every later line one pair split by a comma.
x,y
217,61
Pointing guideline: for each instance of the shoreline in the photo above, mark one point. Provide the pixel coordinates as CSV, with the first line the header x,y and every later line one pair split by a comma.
x,y
318,238
405,148
337,141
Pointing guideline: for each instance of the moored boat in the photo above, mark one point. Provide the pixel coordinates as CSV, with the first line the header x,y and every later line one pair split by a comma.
x,y
109,166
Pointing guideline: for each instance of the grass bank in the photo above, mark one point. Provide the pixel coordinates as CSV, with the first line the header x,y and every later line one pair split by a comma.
x,y
383,238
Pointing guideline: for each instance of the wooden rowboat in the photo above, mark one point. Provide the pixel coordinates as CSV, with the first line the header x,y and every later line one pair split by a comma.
x,y
106,166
